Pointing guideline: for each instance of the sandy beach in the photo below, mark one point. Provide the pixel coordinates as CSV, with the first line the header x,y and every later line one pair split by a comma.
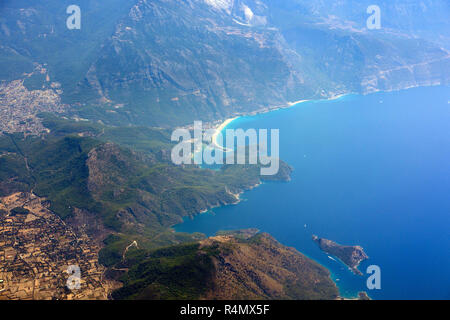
x,y
290,104
219,130
224,124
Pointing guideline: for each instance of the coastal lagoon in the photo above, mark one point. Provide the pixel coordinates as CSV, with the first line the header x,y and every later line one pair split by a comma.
x,y
369,170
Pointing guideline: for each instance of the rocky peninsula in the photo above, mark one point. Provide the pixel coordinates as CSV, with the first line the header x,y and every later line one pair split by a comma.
x,y
351,256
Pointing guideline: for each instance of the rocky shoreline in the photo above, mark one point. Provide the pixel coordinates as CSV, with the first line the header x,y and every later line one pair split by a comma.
x,y
351,256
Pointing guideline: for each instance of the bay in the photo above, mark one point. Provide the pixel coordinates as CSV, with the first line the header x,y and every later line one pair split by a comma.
x,y
370,170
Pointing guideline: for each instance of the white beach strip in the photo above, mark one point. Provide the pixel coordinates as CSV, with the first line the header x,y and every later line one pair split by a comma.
x,y
336,97
290,104
218,131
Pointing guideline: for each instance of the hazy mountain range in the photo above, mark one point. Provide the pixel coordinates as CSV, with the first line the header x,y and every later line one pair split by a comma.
x,y
167,62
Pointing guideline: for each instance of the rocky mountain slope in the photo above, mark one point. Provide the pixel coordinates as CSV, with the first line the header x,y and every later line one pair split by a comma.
x,y
167,63
225,267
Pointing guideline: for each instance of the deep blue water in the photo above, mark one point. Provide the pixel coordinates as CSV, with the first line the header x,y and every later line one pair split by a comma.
x,y
369,170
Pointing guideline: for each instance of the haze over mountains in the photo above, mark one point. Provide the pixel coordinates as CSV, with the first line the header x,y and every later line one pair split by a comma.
x,y
167,62
86,118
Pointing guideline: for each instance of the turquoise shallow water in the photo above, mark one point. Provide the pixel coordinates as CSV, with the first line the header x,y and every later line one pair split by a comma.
x,y
369,170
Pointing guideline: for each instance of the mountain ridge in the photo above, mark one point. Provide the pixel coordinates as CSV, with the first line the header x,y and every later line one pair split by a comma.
x,y
167,63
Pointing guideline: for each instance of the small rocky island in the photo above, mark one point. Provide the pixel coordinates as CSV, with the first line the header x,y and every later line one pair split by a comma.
x,y
352,256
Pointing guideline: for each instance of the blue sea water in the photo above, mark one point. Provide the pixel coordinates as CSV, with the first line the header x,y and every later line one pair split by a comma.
x,y
370,170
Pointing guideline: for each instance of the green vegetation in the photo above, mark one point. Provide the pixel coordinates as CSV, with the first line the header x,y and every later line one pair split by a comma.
x,y
177,272
143,139
123,176
19,211
223,268
61,174
14,175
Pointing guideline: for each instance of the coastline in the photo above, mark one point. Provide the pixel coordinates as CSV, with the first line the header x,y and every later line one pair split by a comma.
x,y
331,98
224,124
221,126
214,143
293,104
336,97
219,129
